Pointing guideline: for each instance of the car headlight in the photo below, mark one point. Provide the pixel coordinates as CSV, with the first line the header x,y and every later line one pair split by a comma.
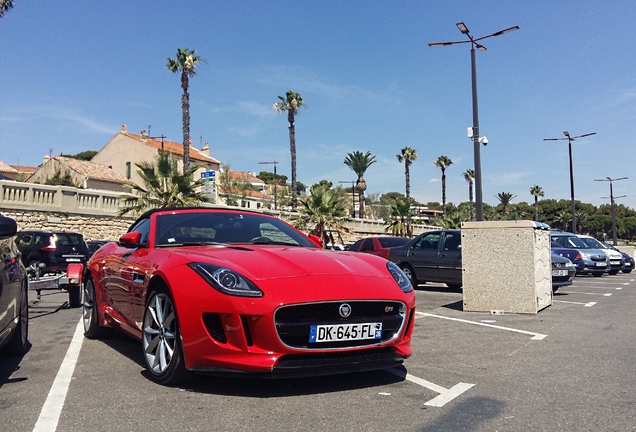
x,y
402,280
226,281
570,264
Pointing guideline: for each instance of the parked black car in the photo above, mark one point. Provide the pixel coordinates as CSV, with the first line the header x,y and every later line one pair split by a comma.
x,y
93,245
629,261
14,303
433,256
55,249
563,271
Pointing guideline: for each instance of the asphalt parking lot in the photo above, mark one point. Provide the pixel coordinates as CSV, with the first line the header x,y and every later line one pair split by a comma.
x,y
569,367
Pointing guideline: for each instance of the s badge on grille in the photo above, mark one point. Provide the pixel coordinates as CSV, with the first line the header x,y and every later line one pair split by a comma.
x,y
345,310
388,309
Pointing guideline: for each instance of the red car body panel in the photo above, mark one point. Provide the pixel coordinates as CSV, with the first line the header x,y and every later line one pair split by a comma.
x,y
124,276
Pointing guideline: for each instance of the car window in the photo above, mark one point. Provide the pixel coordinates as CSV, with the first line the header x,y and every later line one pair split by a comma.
x,y
452,241
356,246
428,241
593,243
367,245
70,239
388,242
24,240
41,238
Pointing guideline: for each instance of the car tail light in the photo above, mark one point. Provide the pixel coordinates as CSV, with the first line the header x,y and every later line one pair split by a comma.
x,y
578,256
51,247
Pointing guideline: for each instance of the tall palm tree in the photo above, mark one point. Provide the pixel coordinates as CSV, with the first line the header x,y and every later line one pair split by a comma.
x,y
505,198
164,186
469,176
443,162
359,163
291,103
5,5
323,213
536,191
408,155
185,63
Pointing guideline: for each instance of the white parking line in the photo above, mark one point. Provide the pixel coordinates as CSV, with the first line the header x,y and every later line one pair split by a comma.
x,y
445,395
52,408
535,336
586,293
588,304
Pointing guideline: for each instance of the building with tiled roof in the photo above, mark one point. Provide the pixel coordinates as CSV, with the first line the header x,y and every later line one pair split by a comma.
x,y
83,174
24,171
125,150
7,172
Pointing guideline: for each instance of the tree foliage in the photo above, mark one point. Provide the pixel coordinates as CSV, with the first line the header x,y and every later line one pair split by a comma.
x,y
164,186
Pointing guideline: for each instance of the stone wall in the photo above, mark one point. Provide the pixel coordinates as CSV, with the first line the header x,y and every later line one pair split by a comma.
x,y
92,227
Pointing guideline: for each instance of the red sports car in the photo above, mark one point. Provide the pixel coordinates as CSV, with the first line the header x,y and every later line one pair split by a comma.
x,y
216,290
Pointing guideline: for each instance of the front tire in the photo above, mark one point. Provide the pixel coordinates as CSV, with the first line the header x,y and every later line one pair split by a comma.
x,y
19,343
597,274
161,339
92,329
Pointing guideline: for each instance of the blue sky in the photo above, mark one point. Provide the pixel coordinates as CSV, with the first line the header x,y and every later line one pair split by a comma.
x,y
73,72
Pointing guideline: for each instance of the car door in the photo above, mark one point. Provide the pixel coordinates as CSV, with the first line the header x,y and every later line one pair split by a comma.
x,y
450,258
423,257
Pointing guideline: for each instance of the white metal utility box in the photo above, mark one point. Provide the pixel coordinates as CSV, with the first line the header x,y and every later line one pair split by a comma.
x,y
506,266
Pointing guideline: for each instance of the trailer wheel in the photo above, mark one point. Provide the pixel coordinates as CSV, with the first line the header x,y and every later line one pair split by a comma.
x,y
74,296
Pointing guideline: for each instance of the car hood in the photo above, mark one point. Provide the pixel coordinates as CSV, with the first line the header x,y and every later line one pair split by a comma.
x,y
270,261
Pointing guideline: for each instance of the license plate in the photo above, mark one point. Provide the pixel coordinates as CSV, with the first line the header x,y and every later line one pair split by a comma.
x,y
345,332
559,272
615,262
628,264
601,264
73,260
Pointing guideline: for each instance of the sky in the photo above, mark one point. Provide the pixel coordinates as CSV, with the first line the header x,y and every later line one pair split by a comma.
x,y
72,72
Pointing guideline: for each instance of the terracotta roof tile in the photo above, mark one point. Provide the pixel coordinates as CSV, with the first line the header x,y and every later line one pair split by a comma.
x,y
7,168
92,170
174,148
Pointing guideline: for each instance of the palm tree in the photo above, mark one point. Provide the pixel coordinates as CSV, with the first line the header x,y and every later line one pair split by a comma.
x,y
505,198
408,155
469,175
185,64
400,222
5,5
453,220
323,212
359,163
291,103
563,219
443,162
164,186
536,191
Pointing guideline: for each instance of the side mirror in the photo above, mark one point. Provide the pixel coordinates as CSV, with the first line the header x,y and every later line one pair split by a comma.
x,y
314,238
130,239
8,227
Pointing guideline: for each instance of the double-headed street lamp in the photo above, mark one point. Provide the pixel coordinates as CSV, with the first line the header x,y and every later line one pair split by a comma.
x,y
353,194
275,178
570,139
611,197
475,132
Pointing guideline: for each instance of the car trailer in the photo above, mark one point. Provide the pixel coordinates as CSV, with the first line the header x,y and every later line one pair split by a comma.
x,y
69,281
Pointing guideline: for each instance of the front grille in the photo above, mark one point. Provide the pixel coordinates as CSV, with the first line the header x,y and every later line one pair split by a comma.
x,y
293,322
598,258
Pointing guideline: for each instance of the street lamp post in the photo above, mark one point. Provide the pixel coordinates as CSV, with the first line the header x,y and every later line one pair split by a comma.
x,y
353,194
275,178
475,132
612,197
570,139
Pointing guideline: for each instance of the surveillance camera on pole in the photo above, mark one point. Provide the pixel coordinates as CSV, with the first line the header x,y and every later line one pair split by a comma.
x,y
484,141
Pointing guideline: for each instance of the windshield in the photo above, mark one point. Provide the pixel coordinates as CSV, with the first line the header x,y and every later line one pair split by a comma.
x,y
571,242
220,227
593,243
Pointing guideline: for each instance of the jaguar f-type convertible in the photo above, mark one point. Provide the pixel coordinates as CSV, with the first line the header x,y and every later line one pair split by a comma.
x,y
224,291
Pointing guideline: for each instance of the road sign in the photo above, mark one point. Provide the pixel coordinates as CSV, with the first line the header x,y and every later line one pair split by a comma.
x,y
208,174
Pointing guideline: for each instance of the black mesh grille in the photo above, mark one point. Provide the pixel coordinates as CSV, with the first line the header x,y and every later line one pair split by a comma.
x,y
293,322
214,327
